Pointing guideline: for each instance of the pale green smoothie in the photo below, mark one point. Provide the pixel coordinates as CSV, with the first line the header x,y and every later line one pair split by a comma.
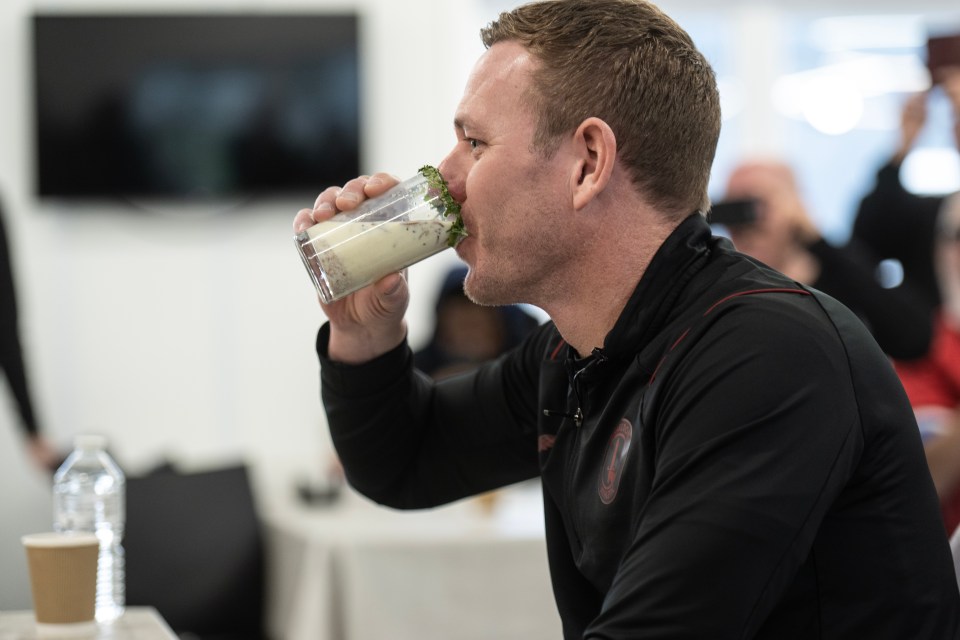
x,y
348,262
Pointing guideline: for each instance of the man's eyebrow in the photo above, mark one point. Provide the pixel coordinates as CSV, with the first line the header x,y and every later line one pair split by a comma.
x,y
463,123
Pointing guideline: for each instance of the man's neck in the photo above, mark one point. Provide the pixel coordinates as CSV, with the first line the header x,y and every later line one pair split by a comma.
x,y
585,325
595,293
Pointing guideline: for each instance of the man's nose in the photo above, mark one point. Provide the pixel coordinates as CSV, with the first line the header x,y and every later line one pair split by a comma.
x,y
454,178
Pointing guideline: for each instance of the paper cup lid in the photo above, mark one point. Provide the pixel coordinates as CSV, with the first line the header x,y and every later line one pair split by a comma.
x,y
59,539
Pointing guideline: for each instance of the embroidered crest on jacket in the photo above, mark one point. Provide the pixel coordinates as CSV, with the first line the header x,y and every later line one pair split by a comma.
x,y
614,459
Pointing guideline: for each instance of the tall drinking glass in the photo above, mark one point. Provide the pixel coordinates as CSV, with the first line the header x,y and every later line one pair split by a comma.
x,y
412,221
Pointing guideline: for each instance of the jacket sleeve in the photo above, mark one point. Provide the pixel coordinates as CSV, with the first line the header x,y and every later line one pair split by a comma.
x,y
11,352
409,442
755,434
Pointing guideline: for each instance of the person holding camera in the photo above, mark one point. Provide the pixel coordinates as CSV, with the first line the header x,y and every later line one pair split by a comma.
x,y
893,223
933,383
781,233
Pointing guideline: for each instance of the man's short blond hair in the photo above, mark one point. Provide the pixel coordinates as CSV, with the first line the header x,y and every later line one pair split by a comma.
x,y
629,64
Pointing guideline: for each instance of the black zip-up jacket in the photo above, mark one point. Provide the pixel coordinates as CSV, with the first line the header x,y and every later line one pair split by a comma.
x,y
737,461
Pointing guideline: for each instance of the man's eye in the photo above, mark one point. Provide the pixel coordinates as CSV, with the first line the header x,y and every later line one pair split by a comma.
x,y
474,143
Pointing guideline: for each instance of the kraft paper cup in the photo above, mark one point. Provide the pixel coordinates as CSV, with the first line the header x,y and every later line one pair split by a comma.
x,y
63,581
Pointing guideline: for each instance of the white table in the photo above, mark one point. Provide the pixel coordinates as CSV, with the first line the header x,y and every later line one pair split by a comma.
x,y
137,623
358,571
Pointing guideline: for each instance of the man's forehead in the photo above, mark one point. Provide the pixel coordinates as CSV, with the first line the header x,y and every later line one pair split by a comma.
x,y
505,59
500,76
503,63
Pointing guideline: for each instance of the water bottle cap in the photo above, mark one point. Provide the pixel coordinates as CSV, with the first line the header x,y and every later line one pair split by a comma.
x,y
89,441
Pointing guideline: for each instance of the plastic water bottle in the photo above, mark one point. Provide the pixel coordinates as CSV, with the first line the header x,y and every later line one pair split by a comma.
x,y
89,495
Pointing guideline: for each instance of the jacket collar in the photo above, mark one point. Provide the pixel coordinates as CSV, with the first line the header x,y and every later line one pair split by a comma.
x,y
682,255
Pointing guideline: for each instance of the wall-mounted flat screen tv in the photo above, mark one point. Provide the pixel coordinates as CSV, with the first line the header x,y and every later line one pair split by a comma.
x,y
194,106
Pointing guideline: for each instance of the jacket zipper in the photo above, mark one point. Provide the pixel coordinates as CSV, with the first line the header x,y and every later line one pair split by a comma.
x,y
577,416
598,357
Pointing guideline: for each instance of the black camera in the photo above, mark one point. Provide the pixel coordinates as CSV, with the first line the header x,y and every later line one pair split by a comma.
x,y
733,212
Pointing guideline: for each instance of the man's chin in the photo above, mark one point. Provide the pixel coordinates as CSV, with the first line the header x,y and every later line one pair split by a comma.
x,y
473,287
484,292
462,248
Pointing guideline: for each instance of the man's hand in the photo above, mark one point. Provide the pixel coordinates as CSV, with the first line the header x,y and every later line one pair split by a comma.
x,y
43,454
912,119
951,87
370,322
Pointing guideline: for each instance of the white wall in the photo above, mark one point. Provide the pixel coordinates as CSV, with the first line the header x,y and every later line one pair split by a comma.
x,y
190,334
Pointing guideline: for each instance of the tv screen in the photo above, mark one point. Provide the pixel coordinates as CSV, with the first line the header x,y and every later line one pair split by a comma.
x,y
194,106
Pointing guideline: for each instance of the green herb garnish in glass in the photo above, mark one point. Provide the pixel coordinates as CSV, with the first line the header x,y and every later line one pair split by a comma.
x,y
451,207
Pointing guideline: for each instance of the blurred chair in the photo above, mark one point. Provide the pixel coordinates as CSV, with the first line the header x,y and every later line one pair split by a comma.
x,y
194,551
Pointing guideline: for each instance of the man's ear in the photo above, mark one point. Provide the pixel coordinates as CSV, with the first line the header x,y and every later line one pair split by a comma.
x,y
595,147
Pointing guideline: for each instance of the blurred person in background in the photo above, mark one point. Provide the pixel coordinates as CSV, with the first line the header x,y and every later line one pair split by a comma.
x,y
42,453
465,333
894,224
784,236
933,383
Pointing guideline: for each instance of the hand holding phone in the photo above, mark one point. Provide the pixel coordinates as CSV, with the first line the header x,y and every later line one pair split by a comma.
x,y
943,53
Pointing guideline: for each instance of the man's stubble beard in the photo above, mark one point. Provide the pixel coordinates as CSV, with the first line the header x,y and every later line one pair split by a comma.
x,y
526,282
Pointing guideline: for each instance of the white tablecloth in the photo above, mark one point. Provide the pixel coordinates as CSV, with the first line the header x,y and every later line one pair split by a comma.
x,y
357,571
